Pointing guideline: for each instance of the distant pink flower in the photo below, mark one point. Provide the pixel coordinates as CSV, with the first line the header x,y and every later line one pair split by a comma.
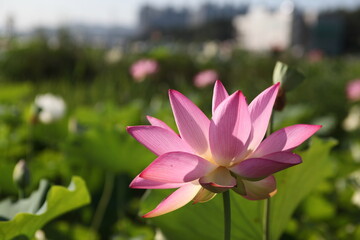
x,y
143,68
315,55
213,156
353,90
205,78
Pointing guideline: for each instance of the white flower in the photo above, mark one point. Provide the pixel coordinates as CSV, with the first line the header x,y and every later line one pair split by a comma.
x,y
50,107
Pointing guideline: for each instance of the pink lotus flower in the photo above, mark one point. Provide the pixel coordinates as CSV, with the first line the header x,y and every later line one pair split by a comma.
x,y
143,68
205,78
353,90
213,156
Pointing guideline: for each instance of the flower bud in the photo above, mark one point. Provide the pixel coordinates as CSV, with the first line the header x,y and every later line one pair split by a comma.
x,y
280,100
73,125
21,174
40,235
288,77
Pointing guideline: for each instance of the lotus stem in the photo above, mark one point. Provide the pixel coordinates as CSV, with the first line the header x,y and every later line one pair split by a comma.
x,y
21,193
104,201
266,224
227,215
266,218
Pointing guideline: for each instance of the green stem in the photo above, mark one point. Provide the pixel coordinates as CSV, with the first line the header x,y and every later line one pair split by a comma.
x,y
227,215
266,223
271,126
104,201
21,193
266,219
121,194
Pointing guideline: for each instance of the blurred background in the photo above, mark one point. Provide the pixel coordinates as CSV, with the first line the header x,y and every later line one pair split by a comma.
x,y
74,74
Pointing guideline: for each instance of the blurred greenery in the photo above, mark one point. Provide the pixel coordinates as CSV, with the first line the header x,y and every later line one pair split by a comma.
x,y
102,99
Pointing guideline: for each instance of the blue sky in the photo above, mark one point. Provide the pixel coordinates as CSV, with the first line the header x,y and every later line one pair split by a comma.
x,y
30,13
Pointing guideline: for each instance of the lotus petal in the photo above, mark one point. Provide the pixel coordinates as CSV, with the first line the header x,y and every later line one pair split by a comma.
x,y
192,123
259,190
219,95
141,183
260,110
177,167
285,139
229,129
257,168
159,140
176,200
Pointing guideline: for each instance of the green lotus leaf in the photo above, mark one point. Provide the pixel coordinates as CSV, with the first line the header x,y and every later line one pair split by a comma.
x,y
59,200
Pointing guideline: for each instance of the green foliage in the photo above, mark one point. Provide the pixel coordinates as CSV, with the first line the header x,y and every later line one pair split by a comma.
x,y
101,140
202,221
39,59
59,200
297,182
12,93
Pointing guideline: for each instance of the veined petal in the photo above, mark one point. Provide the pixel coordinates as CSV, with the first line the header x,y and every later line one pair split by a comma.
x,y
218,181
192,123
260,110
257,168
259,190
229,129
219,95
285,139
176,200
203,195
177,167
159,140
157,122
141,183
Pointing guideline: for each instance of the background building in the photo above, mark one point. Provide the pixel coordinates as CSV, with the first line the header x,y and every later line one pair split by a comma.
x,y
151,18
263,29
